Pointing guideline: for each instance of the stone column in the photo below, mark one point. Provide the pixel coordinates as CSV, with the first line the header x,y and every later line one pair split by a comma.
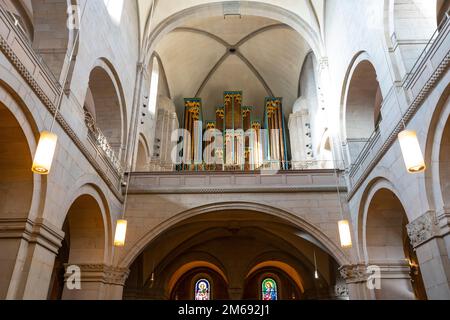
x,y
429,236
395,281
97,282
356,276
235,293
27,257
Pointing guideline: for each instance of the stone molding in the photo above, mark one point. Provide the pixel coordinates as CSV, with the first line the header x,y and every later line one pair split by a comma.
x,y
233,182
40,232
341,291
422,229
354,273
101,273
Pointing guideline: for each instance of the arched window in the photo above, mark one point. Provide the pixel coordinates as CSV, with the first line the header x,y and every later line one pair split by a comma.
x,y
202,290
269,290
154,83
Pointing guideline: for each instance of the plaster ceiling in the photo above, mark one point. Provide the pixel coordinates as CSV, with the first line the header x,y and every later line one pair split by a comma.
x,y
198,63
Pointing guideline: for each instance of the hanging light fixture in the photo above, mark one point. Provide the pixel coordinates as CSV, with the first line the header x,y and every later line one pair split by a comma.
x,y
122,224
345,234
121,233
412,154
45,152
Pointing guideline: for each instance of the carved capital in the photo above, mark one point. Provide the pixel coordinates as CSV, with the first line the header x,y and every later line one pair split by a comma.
x,y
354,273
101,273
341,291
422,229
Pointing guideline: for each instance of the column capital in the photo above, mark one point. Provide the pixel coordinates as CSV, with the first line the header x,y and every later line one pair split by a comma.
x,y
101,273
39,231
354,273
423,229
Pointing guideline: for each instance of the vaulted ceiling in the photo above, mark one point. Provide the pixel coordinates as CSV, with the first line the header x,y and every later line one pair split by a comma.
x,y
259,56
207,55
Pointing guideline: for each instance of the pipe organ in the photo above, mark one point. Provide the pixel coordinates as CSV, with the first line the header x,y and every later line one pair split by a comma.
x,y
235,139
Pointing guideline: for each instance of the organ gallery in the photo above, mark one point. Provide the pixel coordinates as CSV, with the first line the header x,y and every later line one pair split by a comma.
x,y
236,139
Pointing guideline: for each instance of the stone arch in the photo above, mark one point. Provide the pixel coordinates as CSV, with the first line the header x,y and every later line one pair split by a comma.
x,y
385,245
105,100
137,248
285,267
325,151
143,154
86,244
176,276
198,270
409,27
361,104
437,154
18,136
251,8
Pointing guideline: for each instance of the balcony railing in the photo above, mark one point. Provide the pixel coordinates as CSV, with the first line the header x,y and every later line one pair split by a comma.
x,y
426,72
269,166
422,59
102,142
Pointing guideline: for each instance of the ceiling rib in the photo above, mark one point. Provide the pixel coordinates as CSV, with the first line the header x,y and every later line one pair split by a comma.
x,y
240,55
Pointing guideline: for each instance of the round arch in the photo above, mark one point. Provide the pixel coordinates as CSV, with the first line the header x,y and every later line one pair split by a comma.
x,y
85,187
434,153
182,270
361,104
371,190
251,8
288,269
333,249
106,97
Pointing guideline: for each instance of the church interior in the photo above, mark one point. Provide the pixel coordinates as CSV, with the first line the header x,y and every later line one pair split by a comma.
x,y
225,150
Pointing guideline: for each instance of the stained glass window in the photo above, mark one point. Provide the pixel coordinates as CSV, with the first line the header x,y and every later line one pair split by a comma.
x,y
202,290
269,289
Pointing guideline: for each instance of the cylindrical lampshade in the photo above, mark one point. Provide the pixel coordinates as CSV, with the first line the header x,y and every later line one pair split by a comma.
x,y
45,152
412,154
345,234
121,233
316,274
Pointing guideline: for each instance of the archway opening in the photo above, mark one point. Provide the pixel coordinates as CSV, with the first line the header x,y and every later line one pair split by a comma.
x,y
200,284
389,249
271,283
17,183
104,106
224,55
216,239
363,107
83,244
142,161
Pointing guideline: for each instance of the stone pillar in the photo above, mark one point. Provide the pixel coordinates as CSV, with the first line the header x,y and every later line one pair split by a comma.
x,y
428,238
97,282
235,293
301,143
27,257
395,281
356,276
